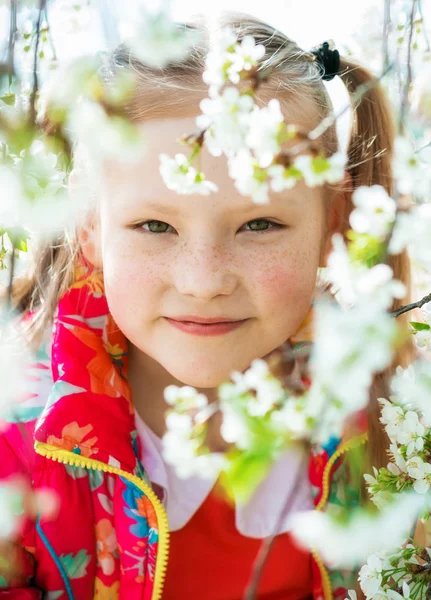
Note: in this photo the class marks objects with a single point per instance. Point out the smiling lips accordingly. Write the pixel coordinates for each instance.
(196, 325)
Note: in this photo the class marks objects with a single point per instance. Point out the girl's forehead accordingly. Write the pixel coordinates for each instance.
(139, 185)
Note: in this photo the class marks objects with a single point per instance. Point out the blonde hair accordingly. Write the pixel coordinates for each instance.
(295, 75)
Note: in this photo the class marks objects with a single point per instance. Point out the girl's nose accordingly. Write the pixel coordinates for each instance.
(205, 272)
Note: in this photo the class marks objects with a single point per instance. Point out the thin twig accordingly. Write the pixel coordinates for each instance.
(326, 123)
(12, 37)
(50, 36)
(386, 30)
(34, 91)
(10, 282)
(424, 147)
(266, 545)
(406, 90)
(412, 306)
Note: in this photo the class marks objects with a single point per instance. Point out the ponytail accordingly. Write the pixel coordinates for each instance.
(370, 152)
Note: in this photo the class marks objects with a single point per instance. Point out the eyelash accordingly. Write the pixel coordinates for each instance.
(274, 225)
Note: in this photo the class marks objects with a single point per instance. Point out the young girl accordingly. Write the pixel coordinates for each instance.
(158, 289)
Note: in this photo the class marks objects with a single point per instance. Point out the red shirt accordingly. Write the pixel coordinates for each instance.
(210, 560)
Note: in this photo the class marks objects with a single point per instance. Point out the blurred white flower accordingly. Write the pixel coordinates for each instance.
(281, 178)
(350, 347)
(105, 137)
(15, 358)
(372, 533)
(185, 397)
(356, 283)
(375, 211)
(412, 387)
(245, 57)
(181, 449)
(250, 179)
(318, 170)
(215, 74)
(264, 132)
(158, 41)
(412, 231)
(226, 120)
(11, 510)
(227, 59)
(406, 165)
(423, 338)
(179, 176)
(267, 389)
(233, 429)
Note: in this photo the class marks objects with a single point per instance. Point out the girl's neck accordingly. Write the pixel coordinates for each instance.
(148, 379)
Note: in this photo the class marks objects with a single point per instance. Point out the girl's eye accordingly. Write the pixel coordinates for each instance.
(154, 226)
(262, 225)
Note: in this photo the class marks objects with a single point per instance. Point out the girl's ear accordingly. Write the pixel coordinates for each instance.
(89, 240)
(337, 216)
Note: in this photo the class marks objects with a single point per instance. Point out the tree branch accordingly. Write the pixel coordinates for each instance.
(386, 29)
(12, 37)
(412, 306)
(406, 90)
(32, 116)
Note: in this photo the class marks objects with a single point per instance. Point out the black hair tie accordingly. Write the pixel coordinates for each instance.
(328, 59)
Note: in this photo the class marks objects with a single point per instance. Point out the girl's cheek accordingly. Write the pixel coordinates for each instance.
(279, 282)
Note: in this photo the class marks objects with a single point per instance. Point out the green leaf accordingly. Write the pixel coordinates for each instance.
(420, 326)
(8, 99)
(76, 565)
(26, 48)
(246, 471)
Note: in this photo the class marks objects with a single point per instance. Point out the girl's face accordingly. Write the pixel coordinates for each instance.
(167, 256)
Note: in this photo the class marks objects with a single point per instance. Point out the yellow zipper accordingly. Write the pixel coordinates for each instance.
(356, 441)
(69, 458)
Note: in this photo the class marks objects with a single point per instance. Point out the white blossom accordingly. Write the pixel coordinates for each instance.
(412, 231)
(267, 389)
(351, 345)
(355, 282)
(281, 178)
(249, 179)
(180, 449)
(406, 165)
(11, 510)
(185, 397)
(246, 56)
(105, 137)
(317, 170)
(15, 358)
(234, 429)
(370, 576)
(412, 387)
(225, 119)
(375, 211)
(179, 176)
(158, 41)
(372, 533)
(215, 74)
(264, 132)
(421, 472)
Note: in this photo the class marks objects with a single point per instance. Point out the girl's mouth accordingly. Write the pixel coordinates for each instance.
(199, 328)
